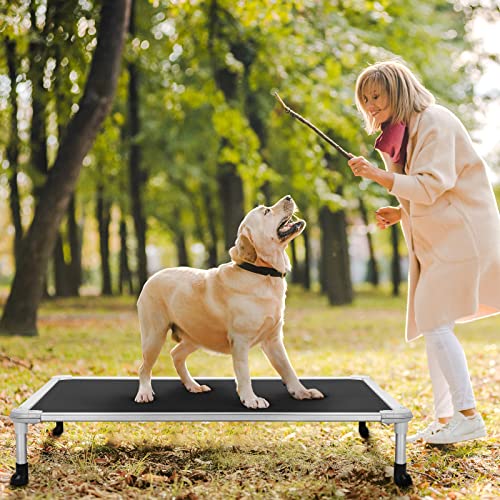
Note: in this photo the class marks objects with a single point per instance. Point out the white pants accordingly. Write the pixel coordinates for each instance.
(450, 378)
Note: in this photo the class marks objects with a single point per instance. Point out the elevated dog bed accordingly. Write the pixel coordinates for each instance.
(111, 399)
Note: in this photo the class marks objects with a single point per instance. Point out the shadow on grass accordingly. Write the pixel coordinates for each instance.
(283, 470)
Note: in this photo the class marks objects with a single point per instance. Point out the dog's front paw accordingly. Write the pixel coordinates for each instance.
(198, 388)
(144, 395)
(304, 393)
(255, 403)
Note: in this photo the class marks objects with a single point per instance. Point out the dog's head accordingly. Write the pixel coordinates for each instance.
(264, 234)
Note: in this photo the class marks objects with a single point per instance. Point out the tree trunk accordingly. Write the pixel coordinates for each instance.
(325, 248)
(395, 261)
(136, 174)
(60, 269)
(372, 274)
(103, 219)
(306, 275)
(73, 271)
(198, 214)
(38, 134)
(212, 227)
(75, 265)
(335, 257)
(254, 108)
(125, 276)
(180, 239)
(13, 150)
(296, 274)
(228, 179)
(67, 274)
(20, 313)
(265, 189)
(182, 253)
(231, 197)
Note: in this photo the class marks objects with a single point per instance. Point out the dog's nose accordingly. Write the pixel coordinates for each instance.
(288, 197)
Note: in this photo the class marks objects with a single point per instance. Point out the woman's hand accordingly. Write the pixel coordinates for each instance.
(387, 216)
(361, 167)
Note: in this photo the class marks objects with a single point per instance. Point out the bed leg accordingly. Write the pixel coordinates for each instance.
(58, 429)
(20, 477)
(363, 430)
(401, 477)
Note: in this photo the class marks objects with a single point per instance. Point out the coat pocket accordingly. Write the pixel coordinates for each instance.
(445, 233)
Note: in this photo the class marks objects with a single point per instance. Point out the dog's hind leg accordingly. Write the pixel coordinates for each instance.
(179, 354)
(154, 328)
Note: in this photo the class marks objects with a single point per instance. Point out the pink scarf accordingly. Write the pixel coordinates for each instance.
(393, 141)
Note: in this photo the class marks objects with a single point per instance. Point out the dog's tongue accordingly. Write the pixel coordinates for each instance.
(294, 220)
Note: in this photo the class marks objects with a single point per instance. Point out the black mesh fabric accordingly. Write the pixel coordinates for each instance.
(101, 395)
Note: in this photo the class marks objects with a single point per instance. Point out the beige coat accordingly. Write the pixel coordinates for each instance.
(450, 222)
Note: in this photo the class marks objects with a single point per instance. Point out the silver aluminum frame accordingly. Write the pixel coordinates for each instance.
(397, 414)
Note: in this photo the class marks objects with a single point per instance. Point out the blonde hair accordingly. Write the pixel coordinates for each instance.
(406, 95)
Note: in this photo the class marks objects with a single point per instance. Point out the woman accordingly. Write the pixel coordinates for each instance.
(451, 225)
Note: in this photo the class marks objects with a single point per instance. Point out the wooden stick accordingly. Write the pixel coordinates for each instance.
(290, 111)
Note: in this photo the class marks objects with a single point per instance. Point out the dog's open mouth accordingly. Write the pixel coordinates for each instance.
(290, 225)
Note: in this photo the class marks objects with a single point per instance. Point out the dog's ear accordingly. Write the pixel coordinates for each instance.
(243, 250)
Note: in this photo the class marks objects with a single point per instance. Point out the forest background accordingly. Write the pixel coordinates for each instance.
(191, 138)
(129, 146)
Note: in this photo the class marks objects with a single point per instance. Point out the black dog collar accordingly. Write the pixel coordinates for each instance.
(265, 271)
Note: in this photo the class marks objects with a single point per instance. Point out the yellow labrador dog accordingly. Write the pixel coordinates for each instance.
(227, 309)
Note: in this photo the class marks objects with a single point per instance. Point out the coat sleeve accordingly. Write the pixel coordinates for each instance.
(433, 168)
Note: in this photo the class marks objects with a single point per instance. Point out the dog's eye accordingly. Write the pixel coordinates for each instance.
(266, 211)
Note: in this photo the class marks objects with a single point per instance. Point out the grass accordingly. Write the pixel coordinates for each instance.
(99, 336)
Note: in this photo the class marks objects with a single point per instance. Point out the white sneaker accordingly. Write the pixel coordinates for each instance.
(459, 428)
(425, 433)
